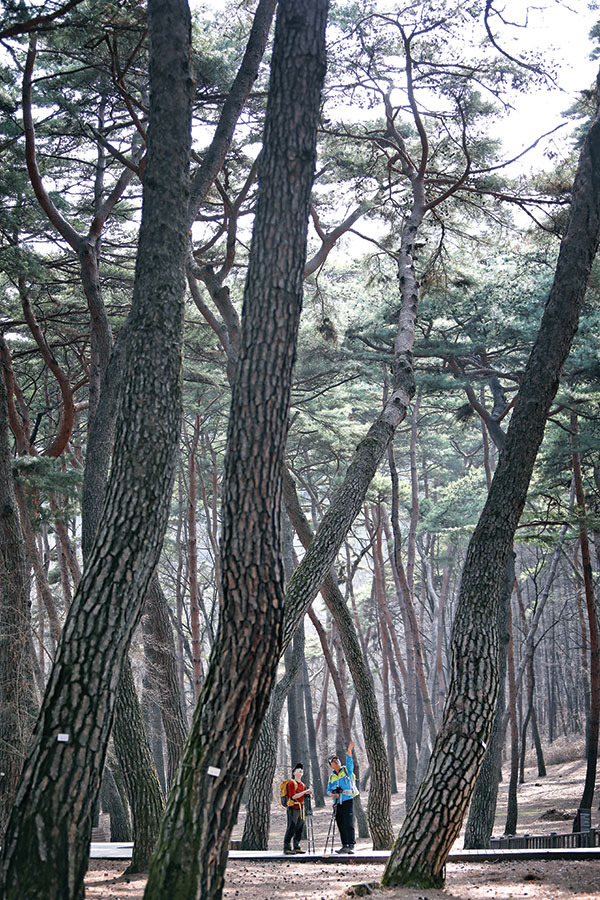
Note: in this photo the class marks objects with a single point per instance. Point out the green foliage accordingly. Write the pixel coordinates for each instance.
(41, 477)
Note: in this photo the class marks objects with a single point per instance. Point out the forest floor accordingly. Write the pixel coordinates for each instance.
(545, 805)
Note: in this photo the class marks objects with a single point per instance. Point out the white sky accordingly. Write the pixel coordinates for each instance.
(561, 32)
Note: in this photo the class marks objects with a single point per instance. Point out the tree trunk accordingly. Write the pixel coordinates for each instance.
(204, 800)
(512, 805)
(295, 704)
(459, 749)
(17, 703)
(482, 812)
(161, 661)
(593, 722)
(139, 772)
(193, 566)
(61, 778)
(112, 803)
(315, 769)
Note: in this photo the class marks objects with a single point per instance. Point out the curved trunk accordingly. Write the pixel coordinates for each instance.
(204, 801)
(61, 778)
(445, 792)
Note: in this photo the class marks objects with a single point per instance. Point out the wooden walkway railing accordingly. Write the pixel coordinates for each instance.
(553, 841)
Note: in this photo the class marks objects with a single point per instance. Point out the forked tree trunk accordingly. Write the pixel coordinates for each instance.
(204, 801)
(61, 778)
(434, 820)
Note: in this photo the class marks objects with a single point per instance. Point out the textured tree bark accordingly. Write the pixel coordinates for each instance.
(204, 801)
(17, 703)
(295, 704)
(593, 723)
(60, 783)
(161, 661)
(434, 820)
(482, 810)
(315, 769)
(193, 565)
(512, 806)
(139, 772)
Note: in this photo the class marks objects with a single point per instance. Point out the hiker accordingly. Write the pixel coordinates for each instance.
(342, 788)
(296, 792)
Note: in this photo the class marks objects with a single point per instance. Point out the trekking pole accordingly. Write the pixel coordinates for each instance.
(332, 820)
(310, 829)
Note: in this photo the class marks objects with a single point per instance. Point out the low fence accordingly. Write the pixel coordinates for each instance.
(553, 841)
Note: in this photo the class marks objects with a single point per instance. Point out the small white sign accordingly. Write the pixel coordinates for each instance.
(62, 738)
(212, 770)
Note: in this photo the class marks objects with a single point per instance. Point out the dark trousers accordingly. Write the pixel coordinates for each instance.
(344, 816)
(295, 824)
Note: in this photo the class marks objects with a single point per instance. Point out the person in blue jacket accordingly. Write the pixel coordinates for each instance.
(341, 786)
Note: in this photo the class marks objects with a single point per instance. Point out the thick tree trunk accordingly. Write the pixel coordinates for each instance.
(61, 779)
(204, 800)
(482, 811)
(434, 820)
(17, 705)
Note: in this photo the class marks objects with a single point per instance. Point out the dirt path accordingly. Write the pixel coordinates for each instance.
(556, 880)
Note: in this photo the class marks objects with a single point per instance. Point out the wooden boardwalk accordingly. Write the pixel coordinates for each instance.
(107, 850)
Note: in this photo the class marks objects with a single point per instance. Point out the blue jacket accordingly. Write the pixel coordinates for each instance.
(344, 779)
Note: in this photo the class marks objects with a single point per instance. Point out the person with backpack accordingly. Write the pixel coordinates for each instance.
(293, 799)
(342, 787)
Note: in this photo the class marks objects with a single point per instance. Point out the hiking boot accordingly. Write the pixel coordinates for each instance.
(288, 851)
(299, 850)
(341, 850)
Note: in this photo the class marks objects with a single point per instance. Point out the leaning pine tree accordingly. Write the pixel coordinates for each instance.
(45, 851)
(190, 859)
(433, 822)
